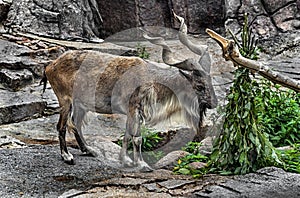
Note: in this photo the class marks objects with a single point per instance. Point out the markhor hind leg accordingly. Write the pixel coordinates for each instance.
(61, 128)
(75, 125)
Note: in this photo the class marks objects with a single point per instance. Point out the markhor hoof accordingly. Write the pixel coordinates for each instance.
(90, 152)
(69, 162)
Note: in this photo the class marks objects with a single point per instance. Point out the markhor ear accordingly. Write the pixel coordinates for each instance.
(186, 75)
(205, 62)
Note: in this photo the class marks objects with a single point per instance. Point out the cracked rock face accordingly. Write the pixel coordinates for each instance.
(199, 14)
(14, 80)
(16, 106)
(4, 7)
(62, 19)
(270, 16)
(72, 20)
(66, 19)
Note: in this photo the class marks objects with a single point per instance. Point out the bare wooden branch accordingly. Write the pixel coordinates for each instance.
(231, 52)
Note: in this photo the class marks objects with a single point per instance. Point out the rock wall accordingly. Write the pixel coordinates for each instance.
(62, 19)
(121, 15)
(4, 7)
(270, 17)
(66, 19)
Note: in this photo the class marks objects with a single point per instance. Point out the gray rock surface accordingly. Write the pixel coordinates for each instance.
(288, 67)
(129, 14)
(96, 130)
(16, 106)
(170, 159)
(200, 14)
(4, 7)
(268, 182)
(60, 19)
(15, 80)
(52, 18)
(15, 56)
(37, 171)
(9, 142)
(269, 17)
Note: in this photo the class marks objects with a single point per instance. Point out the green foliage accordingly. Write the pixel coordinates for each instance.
(192, 147)
(279, 114)
(242, 147)
(248, 47)
(142, 52)
(291, 158)
(150, 140)
(183, 165)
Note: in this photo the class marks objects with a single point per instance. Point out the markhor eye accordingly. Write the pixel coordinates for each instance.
(200, 87)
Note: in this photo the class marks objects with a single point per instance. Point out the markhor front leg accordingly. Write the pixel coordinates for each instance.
(133, 130)
(124, 157)
(137, 155)
(137, 141)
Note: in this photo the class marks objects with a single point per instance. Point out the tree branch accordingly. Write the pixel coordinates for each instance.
(231, 52)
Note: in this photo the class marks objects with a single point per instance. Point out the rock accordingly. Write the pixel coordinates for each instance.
(62, 19)
(57, 47)
(152, 187)
(96, 132)
(221, 71)
(15, 80)
(273, 6)
(170, 159)
(9, 142)
(108, 151)
(197, 165)
(289, 67)
(172, 184)
(71, 193)
(37, 171)
(129, 14)
(116, 191)
(52, 18)
(206, 146)
(199, 14)
(270, 16)
(49, 96)
(285, 17)
(35, 131)
(4, 7)
(17, 57)
(268, 182)
(126, 181)
(231, 7)
(16, 106)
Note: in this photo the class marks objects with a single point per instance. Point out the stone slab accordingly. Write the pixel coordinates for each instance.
(17, 106)
(268, 182)
(15, 80)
